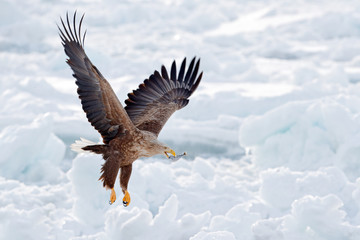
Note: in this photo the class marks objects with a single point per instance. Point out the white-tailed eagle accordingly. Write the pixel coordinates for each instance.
(131, 132)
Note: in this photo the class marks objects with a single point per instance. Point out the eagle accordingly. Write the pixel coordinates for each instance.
(128, 133)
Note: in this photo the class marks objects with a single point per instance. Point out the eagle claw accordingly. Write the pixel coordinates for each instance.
(126, 199)
(112, 197)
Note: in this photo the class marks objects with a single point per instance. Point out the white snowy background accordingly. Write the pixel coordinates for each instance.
(273, 132)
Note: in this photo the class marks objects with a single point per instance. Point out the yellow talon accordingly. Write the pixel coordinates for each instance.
(126, 199)
(170, 151)
(112, 196)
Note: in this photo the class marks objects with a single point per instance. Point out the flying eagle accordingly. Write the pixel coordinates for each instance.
(131, 132)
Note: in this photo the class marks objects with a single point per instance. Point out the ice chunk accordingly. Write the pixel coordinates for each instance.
(280, 186)
(318, 218)
(125, 223)
(237, 220)
(31, 153)
(223, 235)
(298, 135)
(91, 199)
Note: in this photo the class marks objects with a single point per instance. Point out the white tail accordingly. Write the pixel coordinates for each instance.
(79, 144)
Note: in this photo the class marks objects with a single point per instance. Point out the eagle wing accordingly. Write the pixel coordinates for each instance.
(157, 98)
(101, 105)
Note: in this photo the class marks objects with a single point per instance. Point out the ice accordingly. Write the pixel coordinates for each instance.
(83, 175)
(305, 218)
(237, 220)
(290, 185)
(306, 221)
(224, 235)
(24, 227)
(126, 225)
(272, 134)
(300, 135)
(31, 153)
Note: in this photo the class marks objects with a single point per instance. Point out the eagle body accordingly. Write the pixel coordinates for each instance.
(123, 150)
(128, 132)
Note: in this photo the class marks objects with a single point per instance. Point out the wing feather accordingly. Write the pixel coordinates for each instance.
(164, 73)
(189, 72)
(173, 71)
(157, 98)
(182, 71)
(103, 109)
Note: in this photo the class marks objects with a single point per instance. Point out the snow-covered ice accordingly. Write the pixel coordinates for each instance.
(272, 134)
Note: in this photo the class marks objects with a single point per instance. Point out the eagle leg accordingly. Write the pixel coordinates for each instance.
(112, 196)
(125, 174)
(109, 172)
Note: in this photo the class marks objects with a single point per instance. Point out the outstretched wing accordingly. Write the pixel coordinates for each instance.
(103, 109)
(151, 105)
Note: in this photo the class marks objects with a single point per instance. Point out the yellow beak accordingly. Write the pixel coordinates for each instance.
(170, 151)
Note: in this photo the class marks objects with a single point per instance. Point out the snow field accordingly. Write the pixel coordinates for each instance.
(272, 132)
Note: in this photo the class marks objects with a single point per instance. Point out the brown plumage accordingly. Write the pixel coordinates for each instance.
(131, 132)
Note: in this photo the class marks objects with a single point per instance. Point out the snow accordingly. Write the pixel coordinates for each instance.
(30, 159)
(272, 134)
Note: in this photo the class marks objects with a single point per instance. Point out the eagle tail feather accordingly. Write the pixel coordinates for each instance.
(82, 145)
